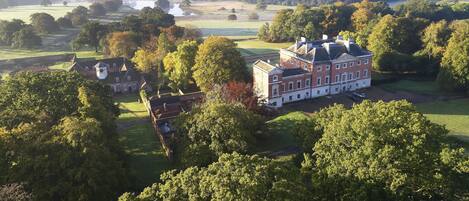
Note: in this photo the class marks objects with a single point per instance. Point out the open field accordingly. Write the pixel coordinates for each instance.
(256, 46)
(11, 53)
(223, 27)
(453, 114)
(422, 87)
(23, 12)
(145, 155)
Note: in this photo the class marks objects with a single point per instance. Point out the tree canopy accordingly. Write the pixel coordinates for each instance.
(391, 147)
(218, 62)
(59, 131)
(455, 63)
(179, 64)
(44, 23)
(232, 177)
(214, 128)
(122, 44)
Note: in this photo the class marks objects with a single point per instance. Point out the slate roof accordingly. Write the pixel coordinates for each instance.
(325, 50)
(118, 67)
(293, 71)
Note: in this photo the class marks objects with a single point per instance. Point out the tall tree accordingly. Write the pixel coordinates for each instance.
(390, 146)
(215, 128)
(454, 72)
(145, 60)
(97, 9)
(90, 34)
(8, 28)
(44, 23)
(122, 44)
(218, 62)
(26, 38)
(46, 2)
(70, 122)
(179, 64)
(435, 39)
(232, 177)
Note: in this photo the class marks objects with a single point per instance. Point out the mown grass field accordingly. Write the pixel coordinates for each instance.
(281, 134)
(23, 12)
(223, 27)
(422, 87)
(453, 114)
(145, 155)
(256, 46)
(11, 53)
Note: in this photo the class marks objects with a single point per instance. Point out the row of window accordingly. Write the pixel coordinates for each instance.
(350, 76)
(350, 64)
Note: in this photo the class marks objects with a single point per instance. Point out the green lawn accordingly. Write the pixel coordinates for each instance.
(453, 114)
(422, 87)
(280, 133)
(223, 27)
(146, 156)
(11, 53)
(256, 46)
(23, 12)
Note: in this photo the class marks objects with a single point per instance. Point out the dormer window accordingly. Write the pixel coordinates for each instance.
(275, 78)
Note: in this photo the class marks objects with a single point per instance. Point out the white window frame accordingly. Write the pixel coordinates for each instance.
(275, 78)
(328, 67)
(290, 84)
(344, 65)
(319, 68)
(350, 76)
(357, 74)
(337, 78)
(318, 81)
(327, 80)
(337, 66)
(308, 82)
(365, 73)
(298, 82)
(344, 77)
(351, 64)
(359, 62)
(366, 61)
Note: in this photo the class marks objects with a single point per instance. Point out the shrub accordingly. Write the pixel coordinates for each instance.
(253, 16)
(232, 17)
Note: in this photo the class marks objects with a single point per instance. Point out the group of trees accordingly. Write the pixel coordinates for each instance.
(16, 33)
(100, 8)
(58, 139)
(411, 38)
(384, 151)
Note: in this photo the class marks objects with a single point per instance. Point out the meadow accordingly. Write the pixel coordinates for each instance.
(23, 12)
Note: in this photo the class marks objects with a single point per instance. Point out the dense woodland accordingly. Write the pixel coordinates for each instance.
(412, 38)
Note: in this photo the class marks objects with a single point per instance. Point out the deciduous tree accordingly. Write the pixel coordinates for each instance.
(122, 44)
(44, 23)
(218, 62)
(390, 146)
(90, 34)
(26, 38)
(179, 64)
(97, 9)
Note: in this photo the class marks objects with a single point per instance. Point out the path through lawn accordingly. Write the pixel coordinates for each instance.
(146, 156)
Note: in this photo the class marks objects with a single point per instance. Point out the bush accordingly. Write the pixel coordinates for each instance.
(64, 22)
(232, 17)
(26, 38)
(253, 16)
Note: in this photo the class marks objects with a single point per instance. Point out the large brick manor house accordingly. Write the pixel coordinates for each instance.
(310, 69)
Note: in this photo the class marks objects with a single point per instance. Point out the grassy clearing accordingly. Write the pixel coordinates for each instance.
(256, 46)
(146, 156)
(23, 12)
(281, 133)
(11, 53)
(422, 87)
(222, 27)
(453, 114)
